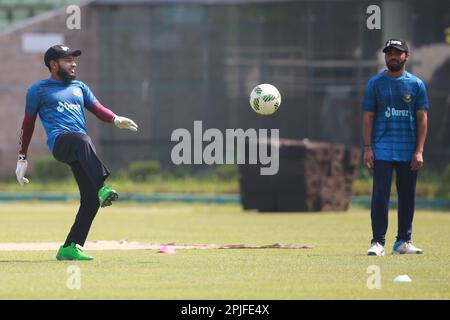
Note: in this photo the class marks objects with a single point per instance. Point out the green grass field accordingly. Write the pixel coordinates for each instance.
(336, 268)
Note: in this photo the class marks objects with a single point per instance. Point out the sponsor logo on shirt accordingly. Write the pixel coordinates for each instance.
(392, 112)
(77, 92)
(68, 106)
(407, 97)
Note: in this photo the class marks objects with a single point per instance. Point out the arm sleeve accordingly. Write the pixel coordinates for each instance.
(422, 97)
(26, 133)
(369, 101)
(29, 120)
(102, 112)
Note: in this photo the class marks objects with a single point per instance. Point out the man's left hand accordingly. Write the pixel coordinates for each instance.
(125, 123)
(417, 161)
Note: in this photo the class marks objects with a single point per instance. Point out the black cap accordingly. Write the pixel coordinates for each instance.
(59, 51)
(397, 44)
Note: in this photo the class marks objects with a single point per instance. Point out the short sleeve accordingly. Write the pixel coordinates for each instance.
(88, 96)
(369, 101)
(422, 97)
(32, 101)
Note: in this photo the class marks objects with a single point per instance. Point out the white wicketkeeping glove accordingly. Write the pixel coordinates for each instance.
(21, 169)
(125, 123)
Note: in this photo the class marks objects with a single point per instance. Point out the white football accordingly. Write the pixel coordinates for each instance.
(265, 99)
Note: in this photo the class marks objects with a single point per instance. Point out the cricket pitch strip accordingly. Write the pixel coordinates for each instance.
(134, 245)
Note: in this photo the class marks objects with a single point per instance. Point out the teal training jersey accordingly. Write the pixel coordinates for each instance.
(60, 105)
(394, 102)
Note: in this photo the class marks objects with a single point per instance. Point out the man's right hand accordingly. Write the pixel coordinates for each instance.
(21, 169)
(368, 157)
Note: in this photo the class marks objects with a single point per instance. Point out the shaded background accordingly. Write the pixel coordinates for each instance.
(168, 63)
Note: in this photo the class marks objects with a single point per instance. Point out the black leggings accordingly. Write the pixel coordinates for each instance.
(76, 150)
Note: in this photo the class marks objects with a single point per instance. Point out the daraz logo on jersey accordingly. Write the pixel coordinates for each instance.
(392, 112)
(68, 106)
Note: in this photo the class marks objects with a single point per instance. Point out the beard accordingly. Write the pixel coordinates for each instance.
(394, 67)
(65, 75)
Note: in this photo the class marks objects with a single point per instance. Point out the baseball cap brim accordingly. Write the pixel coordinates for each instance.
(74, 53)
(396, 47)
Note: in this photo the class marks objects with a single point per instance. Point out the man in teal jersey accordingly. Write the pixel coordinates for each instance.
(60, 102)
(394, 128)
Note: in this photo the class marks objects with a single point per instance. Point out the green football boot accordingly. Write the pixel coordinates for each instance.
(107, 195)
(71, 253)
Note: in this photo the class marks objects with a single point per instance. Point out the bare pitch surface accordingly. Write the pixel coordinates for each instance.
(134, 245)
